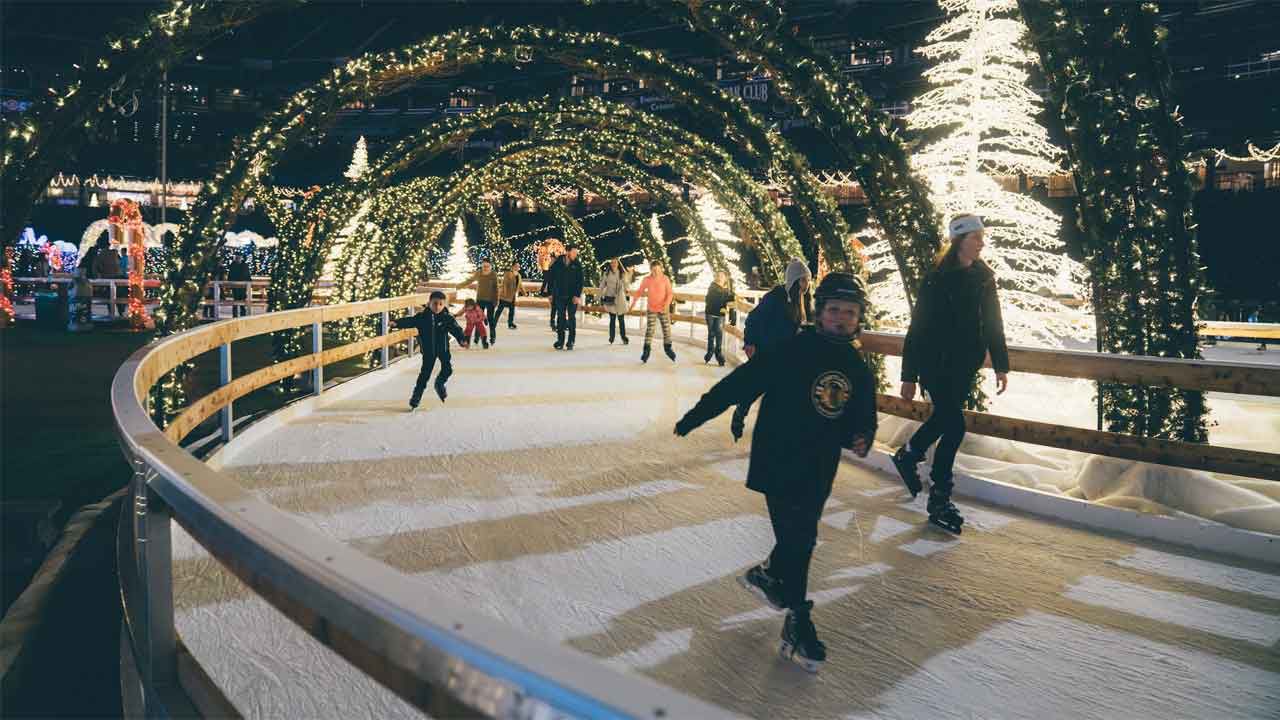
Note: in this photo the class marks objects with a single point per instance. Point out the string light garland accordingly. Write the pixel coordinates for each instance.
(1108, 71)
(1255, 154)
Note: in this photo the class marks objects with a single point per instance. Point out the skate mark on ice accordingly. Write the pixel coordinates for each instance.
(562, 595)
(1046, 666)
(735, 470)
(925, 548)
(1185, 611)
(665, 646)
(887, 527)
(1224, 577)
(881, 491)
(383, 518)
(860, 571)
(983, 519)
(821, 597)
(914, 507)
(839, 521)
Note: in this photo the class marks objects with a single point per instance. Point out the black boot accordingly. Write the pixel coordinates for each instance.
(644, 356)
(906, 462)
(707, 358)
(942, 512)
(765, 587)
(800, 642)
(670, 353)
(625, 341)
(441, 391)
(720, 358)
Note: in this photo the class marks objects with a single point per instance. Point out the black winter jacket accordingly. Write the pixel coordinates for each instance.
(768, 323)
(955, 324)
(433, 330)
(819, 396)
(568, 280)
(717, 299)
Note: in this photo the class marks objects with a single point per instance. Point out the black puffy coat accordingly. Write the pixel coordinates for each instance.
(819, 396)
(955, 324)
(434, 330)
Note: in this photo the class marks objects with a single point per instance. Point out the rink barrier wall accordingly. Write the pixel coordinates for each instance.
(434, 652)
(1176, 530)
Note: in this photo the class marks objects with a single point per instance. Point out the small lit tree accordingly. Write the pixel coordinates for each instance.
(359, 160)
(459, 266)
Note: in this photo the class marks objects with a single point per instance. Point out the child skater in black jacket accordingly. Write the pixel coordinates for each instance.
(434, 325)
(819, 397)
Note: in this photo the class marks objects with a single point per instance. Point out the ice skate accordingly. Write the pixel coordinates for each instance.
(670, 353)
(625, 341)
(720, 359)
(484, 344)
(559, 345)
(412, 408)
(906, 462)
(800, 643)
(944, 514)
(568, 346)
(706, 358)
(644, 356)
(440, 391)
(766, 589)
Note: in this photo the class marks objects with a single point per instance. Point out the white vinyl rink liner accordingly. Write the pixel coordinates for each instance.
(550, 493)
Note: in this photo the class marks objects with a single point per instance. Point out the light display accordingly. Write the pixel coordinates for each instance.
(125, 223)
(978, 119)
(359, 161)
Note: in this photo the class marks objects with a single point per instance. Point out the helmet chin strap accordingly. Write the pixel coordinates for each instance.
(834, 337)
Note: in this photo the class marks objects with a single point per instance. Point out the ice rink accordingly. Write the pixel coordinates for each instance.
(550, 492)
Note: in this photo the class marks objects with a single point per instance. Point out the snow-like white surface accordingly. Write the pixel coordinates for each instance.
(550, 493)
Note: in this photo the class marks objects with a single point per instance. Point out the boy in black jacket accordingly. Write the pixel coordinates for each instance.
(434, 325)
(819, 397)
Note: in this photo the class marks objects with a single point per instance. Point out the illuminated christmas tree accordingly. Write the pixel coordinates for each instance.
(459, 266)
(695, 265)
(980, 135)
(359, 160)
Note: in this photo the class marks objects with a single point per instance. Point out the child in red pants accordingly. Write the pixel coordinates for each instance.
(475, 323)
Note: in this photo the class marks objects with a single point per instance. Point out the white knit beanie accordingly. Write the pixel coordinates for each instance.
(962, 225)
(796, 270)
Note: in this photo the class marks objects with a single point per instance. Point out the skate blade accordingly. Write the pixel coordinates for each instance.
(787, 651)
(757, 592)
(948, 528)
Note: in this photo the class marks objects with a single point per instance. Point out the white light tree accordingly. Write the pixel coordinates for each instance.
(979, 134)
(359, 160)
(459, 266)
(695, 265)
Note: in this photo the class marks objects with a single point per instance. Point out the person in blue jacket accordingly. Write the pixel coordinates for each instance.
(776, 318)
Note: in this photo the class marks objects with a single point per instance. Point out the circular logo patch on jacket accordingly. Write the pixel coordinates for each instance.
(831, 393)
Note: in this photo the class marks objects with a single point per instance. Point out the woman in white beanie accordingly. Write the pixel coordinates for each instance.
(956, 322)
(774, 320)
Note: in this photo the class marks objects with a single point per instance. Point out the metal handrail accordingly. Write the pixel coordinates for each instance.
(433, 651)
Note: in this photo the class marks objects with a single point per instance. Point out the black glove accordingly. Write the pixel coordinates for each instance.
(737, 426)
(685, 426)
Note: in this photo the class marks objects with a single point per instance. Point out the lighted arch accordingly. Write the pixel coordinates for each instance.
(376, 74)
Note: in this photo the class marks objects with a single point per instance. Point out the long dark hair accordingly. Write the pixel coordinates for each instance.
(796, 304)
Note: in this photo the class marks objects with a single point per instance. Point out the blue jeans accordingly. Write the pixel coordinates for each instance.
(715, 334)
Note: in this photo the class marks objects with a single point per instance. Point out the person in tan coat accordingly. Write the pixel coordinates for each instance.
(508, 291)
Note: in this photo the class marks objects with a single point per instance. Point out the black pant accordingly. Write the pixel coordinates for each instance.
(510, 307)
(621, 321)
(566, 320)
(488, 307)
(555, 312)
(944, 426)
(795, 534)
(428, 362)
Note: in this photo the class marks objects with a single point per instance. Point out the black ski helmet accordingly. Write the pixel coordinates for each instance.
(840, 286)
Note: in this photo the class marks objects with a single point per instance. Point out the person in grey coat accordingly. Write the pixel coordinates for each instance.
(615, 283)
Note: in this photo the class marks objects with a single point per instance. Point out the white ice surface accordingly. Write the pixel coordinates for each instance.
(488, 499)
